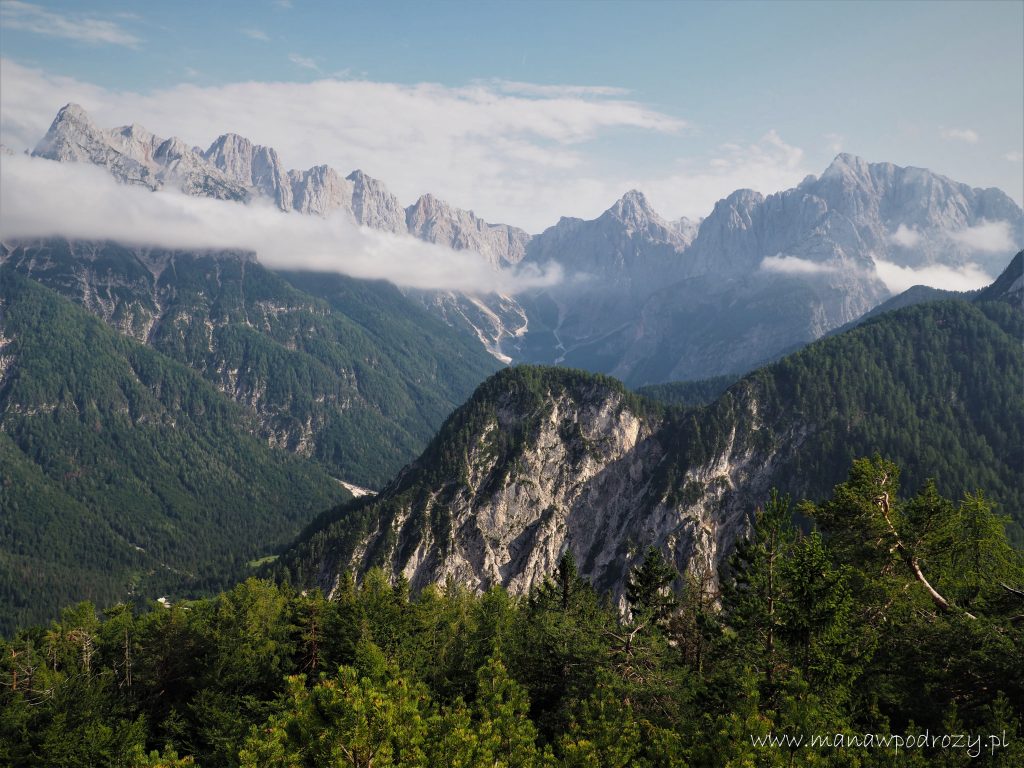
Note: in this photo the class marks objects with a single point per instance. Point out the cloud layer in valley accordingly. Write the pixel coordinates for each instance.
(794, 265)
(987, 237)
(898, 279)
(44, 198)
(515, 153)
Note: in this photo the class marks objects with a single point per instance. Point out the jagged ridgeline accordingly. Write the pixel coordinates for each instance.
(541, 458)
(349, 373)
(122, 471)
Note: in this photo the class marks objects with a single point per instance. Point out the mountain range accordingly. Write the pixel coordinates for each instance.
(645, 299)
(193, 410)
(544, 460)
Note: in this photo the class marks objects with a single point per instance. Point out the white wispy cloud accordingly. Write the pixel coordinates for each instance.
(898, 279)
(967, 135)
(255, 34)
(303, 61)
(557, 91)
(906, 236)
(986, 237)
(1014, 157)
(794, 265)
(43, 198)
(29, 17)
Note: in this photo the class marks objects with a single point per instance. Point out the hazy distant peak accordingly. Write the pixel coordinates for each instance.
(633, 207)
(741, 199)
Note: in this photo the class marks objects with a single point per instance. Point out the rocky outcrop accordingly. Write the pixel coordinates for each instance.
(373, 205)
(435, 221)
(544, 460)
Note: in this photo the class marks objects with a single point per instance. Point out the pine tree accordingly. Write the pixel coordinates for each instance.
(649, 588)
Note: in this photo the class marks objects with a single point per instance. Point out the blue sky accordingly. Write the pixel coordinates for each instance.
(690, 100)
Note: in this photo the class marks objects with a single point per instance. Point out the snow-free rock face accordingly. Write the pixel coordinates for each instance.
(252, 165)
(373, 205)
(540, 461)
(133, 155)
(73, 137)
(320, 190)
(435, 221)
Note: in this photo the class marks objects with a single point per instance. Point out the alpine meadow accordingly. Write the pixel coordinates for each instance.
(511, 385)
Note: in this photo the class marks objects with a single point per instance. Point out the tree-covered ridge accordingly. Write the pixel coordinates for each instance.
(348, 372)
(935, 386)
(688, 394)
(1009, 286)
(124, 472)
(832, 631)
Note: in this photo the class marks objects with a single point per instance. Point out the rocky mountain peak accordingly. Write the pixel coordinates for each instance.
(634, 210)
(435, 221)
(71, 133)
(174, 149)
(73, 137)
(72, 114)
(232, 154)
(373, 205)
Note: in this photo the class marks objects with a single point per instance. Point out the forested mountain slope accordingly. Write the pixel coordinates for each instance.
(348, 372)
(543, 459)
(123, 472)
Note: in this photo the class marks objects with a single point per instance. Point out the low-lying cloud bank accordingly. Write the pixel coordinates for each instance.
(986, 237)
(898, 279)
(42, 198)
(794, 265)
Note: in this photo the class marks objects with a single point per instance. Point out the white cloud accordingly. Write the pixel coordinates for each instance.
(1014, 157)
(43, 198)
(303, 61)
(33, 18)
(898, 279)
(967, 135)
(987, 237)
(794, 265)
(557, 91)
(255, 34)
(906, 236)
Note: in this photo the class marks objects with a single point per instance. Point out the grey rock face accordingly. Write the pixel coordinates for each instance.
(586, 478)
(254, 166)
(133, 155)
(73, 137)
(320, 190)
(435, 221)
(652, 302)
(373, 205)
